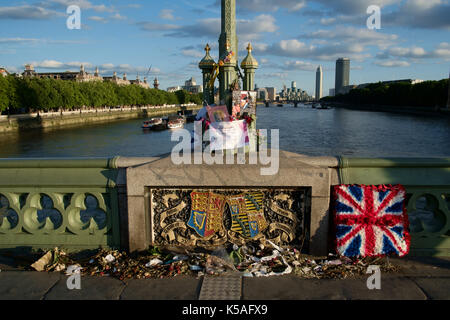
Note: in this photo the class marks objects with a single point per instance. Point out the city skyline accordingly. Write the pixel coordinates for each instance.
(289, 38)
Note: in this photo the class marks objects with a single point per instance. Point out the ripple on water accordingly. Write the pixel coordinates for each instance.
(302, 130)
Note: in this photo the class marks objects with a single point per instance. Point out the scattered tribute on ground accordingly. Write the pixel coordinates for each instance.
(251, 260)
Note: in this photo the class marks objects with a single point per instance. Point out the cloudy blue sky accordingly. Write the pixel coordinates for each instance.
(290, 38)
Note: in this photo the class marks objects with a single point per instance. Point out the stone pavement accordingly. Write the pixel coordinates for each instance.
(419, 279)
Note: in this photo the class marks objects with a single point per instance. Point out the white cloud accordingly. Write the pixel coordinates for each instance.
(252, 29)
(28, 12)
(33, 41)
(353, 7)
(362, 36)
(424, 4)
(247, 29)
(330, 52)
(279, 75)
(18, 40)
(98, 19)
(167, 14)
(13, 69)
(442, 51)
(328, 45)
(299, 65)
(48, 9)
(192, 53)
(392, 63)
(151, 26)
(426, 14)
(53, 64)
(327, 21)
(118, 16)
(261, 47)
(105, 69)
(271, 5)
(83, 4)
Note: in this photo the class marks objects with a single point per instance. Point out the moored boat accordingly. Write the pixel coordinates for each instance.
(175, 124)
(150, 124)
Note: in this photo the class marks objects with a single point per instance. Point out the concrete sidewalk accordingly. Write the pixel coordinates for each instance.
(419, 279)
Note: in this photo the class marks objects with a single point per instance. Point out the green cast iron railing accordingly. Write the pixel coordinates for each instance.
(73, 203)
(427, 183)
(69, 203)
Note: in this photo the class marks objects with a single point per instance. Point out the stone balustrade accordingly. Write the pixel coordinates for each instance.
(132, 203)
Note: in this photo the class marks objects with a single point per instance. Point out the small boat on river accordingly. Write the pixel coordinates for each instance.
(150, 124)
(176, 123)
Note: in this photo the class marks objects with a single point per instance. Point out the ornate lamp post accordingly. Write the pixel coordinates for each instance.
(249, 64)
(207, 66)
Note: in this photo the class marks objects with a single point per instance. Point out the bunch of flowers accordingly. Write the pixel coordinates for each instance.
(221, 63)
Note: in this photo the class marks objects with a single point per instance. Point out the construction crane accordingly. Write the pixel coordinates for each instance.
(149, 70)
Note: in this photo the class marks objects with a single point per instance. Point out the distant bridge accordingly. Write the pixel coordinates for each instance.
(294, 102)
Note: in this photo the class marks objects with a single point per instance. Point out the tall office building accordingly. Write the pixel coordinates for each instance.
(342, 74)
(271, 93)
(294, 86)
(319, 82)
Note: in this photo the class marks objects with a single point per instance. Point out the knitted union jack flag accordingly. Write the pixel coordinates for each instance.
(371, 221)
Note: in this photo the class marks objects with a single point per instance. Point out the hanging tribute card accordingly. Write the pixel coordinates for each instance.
(228, 135)
(218, 113)
(244, 102)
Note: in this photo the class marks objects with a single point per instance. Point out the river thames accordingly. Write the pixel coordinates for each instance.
(302, 130)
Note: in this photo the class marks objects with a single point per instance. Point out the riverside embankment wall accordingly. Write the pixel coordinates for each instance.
(393, 109)
(58, 120)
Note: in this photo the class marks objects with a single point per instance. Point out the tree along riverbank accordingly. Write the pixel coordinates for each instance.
(429, 97)
(392, 109)
(31, 95)
(45, 121)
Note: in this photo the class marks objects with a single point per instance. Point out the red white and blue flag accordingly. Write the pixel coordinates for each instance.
(371, 220)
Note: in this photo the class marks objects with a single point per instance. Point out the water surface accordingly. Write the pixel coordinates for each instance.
(302, 130)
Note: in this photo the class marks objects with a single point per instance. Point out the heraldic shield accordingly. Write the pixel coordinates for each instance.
(247, 214)
(206, 213)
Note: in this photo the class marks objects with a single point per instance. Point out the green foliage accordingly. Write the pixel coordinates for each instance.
(24, 95)
(182, 95)
(4, 97)
(196, 98)
(424, 94)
